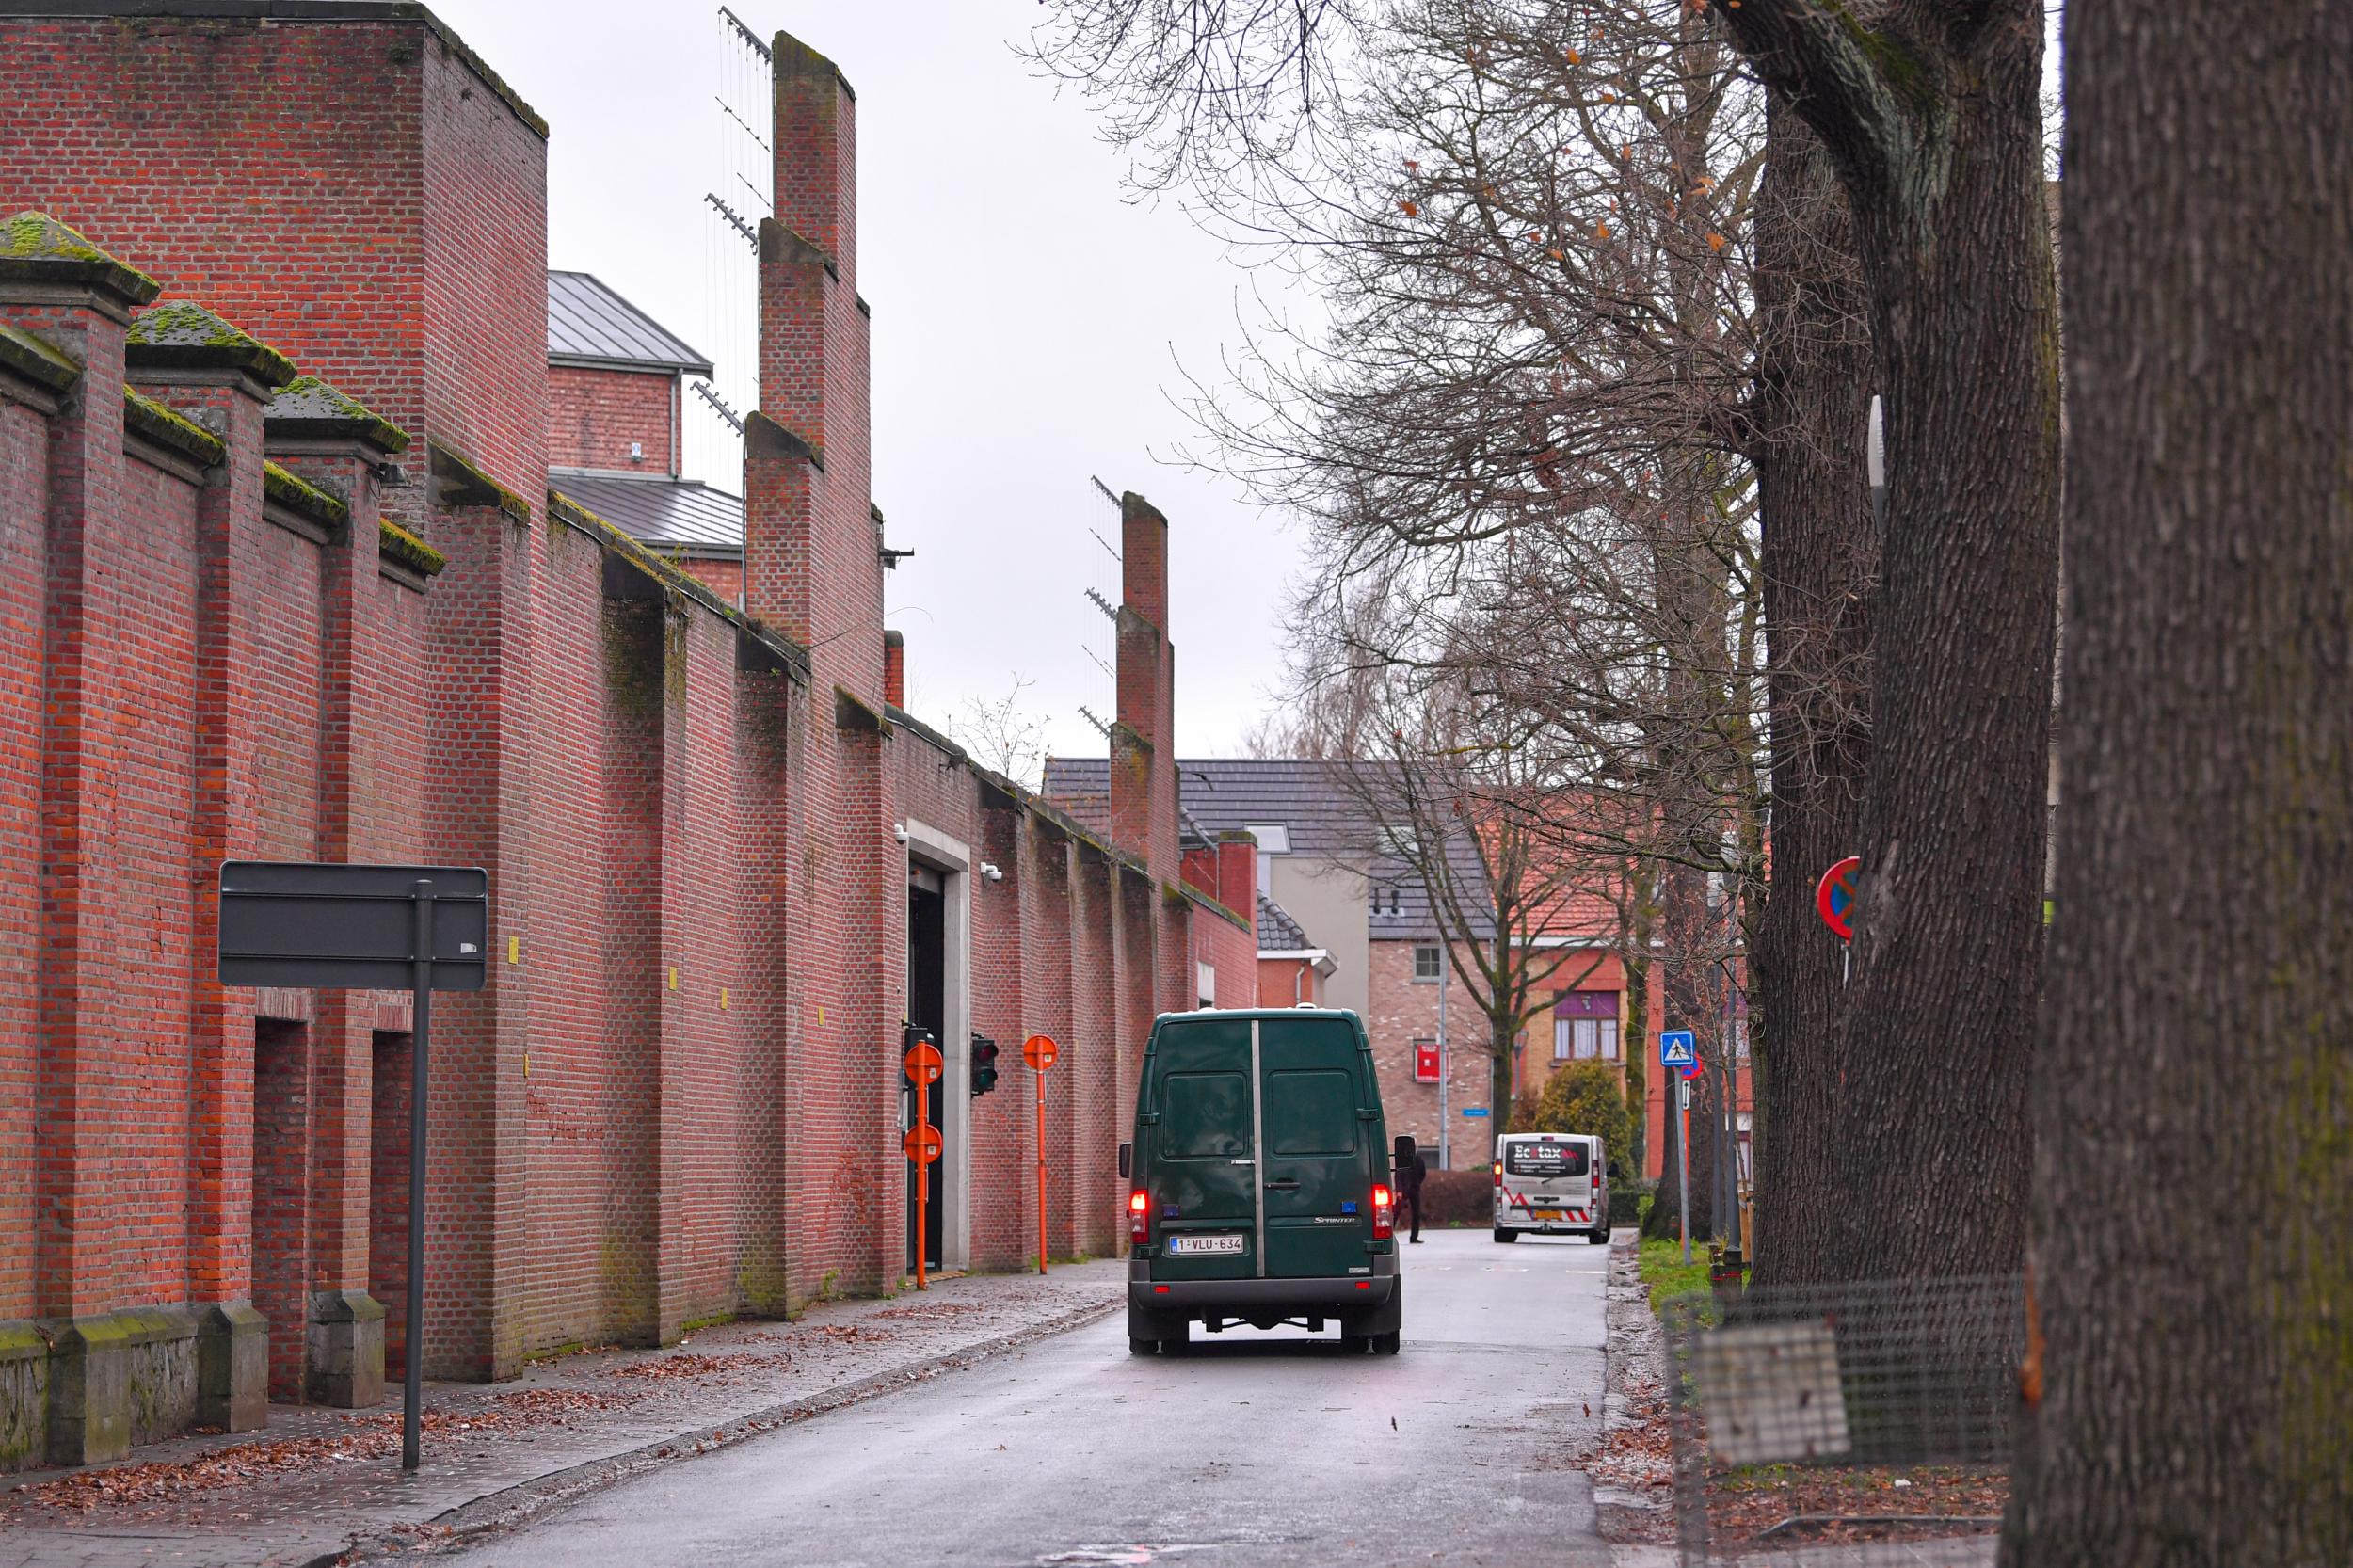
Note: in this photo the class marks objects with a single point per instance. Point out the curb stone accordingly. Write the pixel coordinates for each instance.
(520, 1503)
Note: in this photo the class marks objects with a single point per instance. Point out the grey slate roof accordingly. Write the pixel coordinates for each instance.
(1323, 820)
(657, 510)
(1277, 930)
(590, 325)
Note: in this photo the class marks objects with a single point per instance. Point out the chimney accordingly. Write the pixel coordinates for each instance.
(895, 668)
(1144, 753)
(1237, 872)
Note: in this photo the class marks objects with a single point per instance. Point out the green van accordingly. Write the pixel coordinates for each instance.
(1259, 1181)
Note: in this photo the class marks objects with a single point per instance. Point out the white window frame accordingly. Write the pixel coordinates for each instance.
(1437, 971)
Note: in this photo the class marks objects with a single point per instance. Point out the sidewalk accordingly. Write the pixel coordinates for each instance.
(319, 1482)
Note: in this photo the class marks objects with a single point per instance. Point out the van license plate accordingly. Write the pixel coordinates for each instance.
(1188, 1246)
(1549, 1215)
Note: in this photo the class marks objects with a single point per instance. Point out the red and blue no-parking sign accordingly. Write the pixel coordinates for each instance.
(1834, 896)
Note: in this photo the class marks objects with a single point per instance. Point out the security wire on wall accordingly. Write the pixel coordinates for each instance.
(741, 180)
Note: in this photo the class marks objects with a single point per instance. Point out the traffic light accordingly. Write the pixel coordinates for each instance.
(983, 1064)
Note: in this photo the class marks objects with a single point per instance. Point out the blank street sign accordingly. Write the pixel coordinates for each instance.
(352, 926)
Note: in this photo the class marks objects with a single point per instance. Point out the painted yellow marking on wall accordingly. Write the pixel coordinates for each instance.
(674, 977)
(514, 950)
(526, 1063)
(723, 999)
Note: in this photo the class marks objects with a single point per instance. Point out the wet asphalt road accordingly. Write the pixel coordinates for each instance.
(1258, 1448)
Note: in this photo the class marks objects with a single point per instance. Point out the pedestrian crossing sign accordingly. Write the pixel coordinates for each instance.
(1677, 1048)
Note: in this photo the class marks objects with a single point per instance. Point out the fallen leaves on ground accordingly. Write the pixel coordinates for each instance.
(1744, 1504)
(373, 1437)
(678, 1368)
(162, 1481)
(927, 1309)
(847, 1331)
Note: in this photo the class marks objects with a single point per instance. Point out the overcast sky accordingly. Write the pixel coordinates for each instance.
(1028, 325)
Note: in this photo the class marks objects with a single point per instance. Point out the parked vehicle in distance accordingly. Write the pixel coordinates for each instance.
(1260, 1189)
(1551, 1183)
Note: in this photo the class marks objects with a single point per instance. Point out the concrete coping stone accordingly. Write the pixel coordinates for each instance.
(403, 549)
(344, 1306)
(37, 249)
(1187, 893)
(21, 1340)
(460, 482)
(37, 360)
(123, 1329)
(619, 544)
(151, 420)
(292, 491)
(308, 407)
(180, 334)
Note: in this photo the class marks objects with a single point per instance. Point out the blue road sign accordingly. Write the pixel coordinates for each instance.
(1678, 1048)
(1474, 1111)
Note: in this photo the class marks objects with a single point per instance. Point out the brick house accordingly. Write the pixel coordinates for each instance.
(616, 409)
(300, 558)
(1338, 912)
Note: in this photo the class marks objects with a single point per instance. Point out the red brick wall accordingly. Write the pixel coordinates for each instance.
(593, 415)
(724, 578)
(23, 516)
(675, 1097)
(1398, 1012)
(244, 164)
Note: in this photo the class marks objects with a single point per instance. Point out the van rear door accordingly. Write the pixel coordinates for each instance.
(1200, 1116)
(1316, 1148)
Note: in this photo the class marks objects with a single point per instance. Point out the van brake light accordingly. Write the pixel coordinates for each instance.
(1498, 1170)
(1138, 1217)
(1383, 1213)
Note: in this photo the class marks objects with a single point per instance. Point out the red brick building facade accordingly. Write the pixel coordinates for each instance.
(347, 616)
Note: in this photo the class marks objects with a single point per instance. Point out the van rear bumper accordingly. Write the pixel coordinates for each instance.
(1188, 1295)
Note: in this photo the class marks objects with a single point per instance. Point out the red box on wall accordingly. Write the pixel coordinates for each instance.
(1425, 1062)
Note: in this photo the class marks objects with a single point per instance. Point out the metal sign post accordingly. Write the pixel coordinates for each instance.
(922, 1144)
(1040, 1051)
(1679, 1049)
(330, 927)
(1683, 1164)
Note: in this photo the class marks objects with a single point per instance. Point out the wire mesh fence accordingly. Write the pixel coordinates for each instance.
(1862, 1423)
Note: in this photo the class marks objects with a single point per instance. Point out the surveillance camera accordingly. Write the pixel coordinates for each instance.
(991, 873)
(899, 831)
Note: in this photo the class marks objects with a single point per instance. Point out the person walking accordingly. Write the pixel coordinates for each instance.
(1409, 1182)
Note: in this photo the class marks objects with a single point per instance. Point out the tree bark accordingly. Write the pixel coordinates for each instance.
(1819, 557)
(2193, 1211)
(1933, 117)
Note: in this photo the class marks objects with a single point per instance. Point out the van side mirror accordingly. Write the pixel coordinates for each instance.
(1127, 1160)
(1403, 1151)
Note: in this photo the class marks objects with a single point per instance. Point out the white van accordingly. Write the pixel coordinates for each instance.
(1551, 1183)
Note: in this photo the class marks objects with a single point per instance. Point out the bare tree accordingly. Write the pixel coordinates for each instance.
(2191, 1377)
(1543, 381)
(1005, 736)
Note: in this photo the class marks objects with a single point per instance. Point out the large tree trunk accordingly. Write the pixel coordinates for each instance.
(1933, 120)
(1819, 557)
(2193, 1211)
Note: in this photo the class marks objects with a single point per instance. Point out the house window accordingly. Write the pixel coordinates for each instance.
(1204, 984)
(1740, 1039)
(1585, 1039)
(1274, 838)
(1426, 962)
